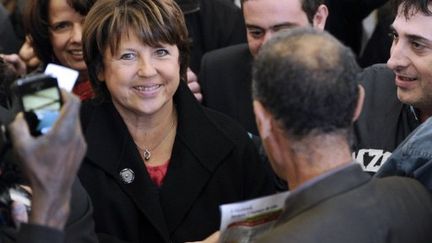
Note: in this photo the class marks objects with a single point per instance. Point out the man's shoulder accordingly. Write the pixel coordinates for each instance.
(378, 78)
(228, 55)
(375, 204)
(213, 6)
(382, 122)
(226, 125)
(226, 64)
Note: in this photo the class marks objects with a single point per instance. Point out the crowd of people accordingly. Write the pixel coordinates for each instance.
(184, 105)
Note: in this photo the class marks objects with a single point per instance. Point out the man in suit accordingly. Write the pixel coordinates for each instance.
(225, 75)
(211, 24)
(306, 97)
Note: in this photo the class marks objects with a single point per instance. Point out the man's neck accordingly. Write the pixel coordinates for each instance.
(424, 114)
(319, 156)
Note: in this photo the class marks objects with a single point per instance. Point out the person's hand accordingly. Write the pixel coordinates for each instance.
(193, 84)
(28, 55)
(51, 162)
(16, 62)
(19, 213)
(214, 238)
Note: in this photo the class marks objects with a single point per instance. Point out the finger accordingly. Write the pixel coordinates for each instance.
(19, 130)
(26, 52)
(10, 58)
(191, 76)
(68, 119)
(19, 213)
(214, 237)
(34, 62)
(194, 87)
(28, 55)
(13, 59)
(198, 96)
(18, 64)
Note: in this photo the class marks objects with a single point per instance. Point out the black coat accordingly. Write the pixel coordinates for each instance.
(217, 24)
(345, 20)
(213, 162)
(226, 81)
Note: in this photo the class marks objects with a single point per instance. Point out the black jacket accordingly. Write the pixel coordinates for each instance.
(345, 20)
(213, 162)
(226, 82)
(217, 24)
(384, 122)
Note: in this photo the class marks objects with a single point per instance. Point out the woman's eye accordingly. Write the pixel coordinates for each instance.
(61, 26)
(161, 52)
(127, 56)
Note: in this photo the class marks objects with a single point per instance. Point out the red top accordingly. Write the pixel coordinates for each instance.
(157, 173)
(83, 90)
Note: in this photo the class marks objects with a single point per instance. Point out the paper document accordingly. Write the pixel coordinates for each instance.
(242, 222)
(66, 77)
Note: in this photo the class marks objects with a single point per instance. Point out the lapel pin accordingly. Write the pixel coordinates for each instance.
(127, 175)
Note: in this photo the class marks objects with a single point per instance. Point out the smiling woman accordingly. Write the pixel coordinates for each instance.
(55, 30)
(158, 164)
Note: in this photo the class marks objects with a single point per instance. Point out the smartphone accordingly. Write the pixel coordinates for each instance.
(39, 97)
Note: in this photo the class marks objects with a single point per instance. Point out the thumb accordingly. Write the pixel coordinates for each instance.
(19, 130)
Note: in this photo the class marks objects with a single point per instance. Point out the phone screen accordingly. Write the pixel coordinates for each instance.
(44, 104)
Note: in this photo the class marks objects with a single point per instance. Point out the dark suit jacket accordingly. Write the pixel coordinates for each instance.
(226, 80)
(217, 24)
(349, 206)
(213, 162)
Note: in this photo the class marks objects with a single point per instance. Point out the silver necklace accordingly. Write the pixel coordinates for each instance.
(147, 152)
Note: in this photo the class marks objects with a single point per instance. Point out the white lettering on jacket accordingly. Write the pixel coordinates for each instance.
(371, 159)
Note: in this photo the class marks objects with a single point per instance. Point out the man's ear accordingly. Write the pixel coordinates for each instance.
(320, 17)
(263, 119)
(360, 101)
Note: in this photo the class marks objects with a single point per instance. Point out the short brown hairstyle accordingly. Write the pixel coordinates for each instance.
(36, 24)
(153, 21)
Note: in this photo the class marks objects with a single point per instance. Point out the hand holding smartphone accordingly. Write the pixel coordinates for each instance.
(39, 97)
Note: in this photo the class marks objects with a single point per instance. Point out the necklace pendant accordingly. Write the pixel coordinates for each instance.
(147, 154)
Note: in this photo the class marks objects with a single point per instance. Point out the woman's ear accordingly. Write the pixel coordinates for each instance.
(360, 101)
(100, 74)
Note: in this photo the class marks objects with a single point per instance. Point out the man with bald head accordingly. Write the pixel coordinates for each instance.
(306, 98)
